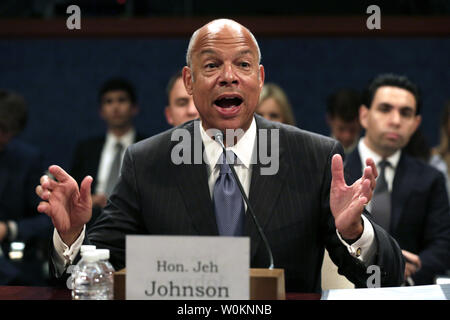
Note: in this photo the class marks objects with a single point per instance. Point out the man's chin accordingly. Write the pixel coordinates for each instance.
(233, 124)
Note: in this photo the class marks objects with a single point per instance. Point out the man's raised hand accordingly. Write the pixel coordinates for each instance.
(347, 202)
(69, 208)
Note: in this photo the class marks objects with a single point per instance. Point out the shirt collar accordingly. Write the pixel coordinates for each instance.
(365, 152)
(243, 148)
(126, 140)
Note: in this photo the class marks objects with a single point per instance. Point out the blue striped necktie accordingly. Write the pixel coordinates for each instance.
(228, 203)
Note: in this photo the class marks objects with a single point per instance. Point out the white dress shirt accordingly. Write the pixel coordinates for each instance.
(389, 173)
(108, 154)
(243, 150)
(364, 248)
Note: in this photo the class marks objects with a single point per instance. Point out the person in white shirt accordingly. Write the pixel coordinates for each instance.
(410, 200)
(95, 155)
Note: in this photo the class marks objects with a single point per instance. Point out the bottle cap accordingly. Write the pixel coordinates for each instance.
(103, 254)
(85, 248)
(90, 256)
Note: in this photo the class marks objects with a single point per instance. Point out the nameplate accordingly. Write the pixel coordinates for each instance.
(187, 267)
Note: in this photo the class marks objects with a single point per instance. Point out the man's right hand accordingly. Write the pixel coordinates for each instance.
(69, 208)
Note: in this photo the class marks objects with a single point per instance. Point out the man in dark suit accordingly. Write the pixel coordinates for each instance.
(96, 156)
(300, 197)
(21, 166)
(416, 209)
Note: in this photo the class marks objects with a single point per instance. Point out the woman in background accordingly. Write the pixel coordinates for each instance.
(441, 154)
(274, 105)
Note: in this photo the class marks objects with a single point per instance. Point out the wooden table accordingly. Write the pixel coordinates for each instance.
(50, 293)
(34, 293)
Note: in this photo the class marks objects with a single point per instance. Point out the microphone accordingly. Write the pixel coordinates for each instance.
(219, 139)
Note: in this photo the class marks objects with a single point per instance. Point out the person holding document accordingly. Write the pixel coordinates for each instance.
(299, 197)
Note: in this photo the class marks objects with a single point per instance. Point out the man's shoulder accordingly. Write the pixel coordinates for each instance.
(21, 149)
(161, 144)
(298, 137)
(419, 167)
(23, 154)
(90, 142)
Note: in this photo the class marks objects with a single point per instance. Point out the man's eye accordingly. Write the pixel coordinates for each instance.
(210, 66)
(245, 64)
(406, 113)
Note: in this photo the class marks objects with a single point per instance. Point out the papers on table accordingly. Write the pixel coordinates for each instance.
(429, 292)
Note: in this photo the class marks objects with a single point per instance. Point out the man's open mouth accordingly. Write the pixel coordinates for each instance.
(228, 102)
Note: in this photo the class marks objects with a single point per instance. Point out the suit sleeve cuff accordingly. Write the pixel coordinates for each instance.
(63, 256)
(365, 247)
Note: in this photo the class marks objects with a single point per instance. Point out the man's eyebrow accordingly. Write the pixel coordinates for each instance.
(407, 108)
(244, 52)
(385, 104)
(181, 99)
(213, 52)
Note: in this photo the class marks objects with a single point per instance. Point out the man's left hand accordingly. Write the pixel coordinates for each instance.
(413, 263)
(347, 202)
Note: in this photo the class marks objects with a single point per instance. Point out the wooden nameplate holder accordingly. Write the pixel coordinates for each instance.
(265, 284)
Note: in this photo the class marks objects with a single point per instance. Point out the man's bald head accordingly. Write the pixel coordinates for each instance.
(214, 27)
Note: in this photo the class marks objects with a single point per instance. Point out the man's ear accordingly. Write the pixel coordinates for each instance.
(136, 110)
(188, 79)
(363, 113)
(168, 116)
(262, 76)
(417, 122)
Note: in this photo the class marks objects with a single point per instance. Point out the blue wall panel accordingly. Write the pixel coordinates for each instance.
(60, 78)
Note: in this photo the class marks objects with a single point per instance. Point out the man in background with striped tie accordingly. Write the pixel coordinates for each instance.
(410, 199)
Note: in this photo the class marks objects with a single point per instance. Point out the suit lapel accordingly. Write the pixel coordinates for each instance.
(193, 185)
(400, 191)
(264, 189)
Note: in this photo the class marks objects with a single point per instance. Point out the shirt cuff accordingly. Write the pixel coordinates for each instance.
(365, 247)
(63, 255)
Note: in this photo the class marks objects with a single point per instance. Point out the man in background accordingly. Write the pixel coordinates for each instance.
(24, 233)
(342, 117)
(410, 199)
(180, 105)
(101, 157)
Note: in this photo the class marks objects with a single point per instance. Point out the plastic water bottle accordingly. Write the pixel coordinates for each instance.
(73, 269)
(85, 248)
(87, 283)
(108, 272)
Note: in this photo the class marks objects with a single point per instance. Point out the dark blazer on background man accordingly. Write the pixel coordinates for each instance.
(420, 217)
(86, 158)
(155, 196)
(21, 167)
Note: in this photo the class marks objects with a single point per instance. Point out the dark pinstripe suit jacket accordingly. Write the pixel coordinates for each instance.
(155, 196)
